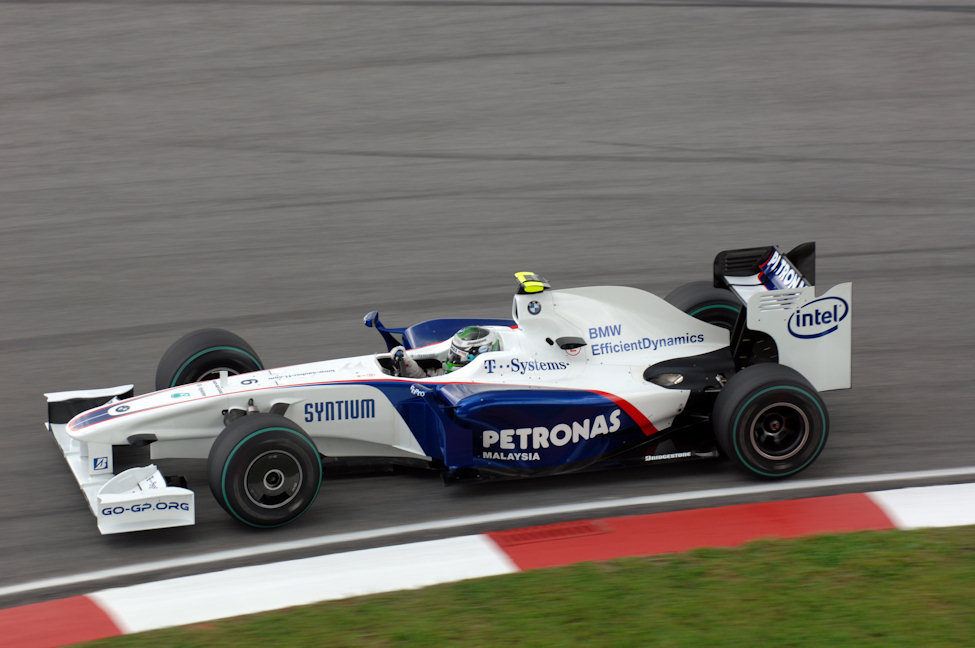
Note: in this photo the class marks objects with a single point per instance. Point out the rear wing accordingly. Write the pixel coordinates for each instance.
(756, 270)
(813, 335)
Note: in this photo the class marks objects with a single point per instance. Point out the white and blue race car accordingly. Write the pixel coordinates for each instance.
(577, 379)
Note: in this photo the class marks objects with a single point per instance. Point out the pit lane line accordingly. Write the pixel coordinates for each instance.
(475, 520)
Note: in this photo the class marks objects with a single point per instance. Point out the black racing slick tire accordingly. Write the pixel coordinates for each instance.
(264, 470)
(700, 299)
(202, 355)
(770, 421)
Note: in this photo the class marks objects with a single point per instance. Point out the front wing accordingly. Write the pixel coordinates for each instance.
(134, 500)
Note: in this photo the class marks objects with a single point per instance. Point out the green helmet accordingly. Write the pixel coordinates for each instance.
(468, 343)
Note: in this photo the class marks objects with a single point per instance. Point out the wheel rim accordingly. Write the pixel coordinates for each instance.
(214, 374)
(272, 479)
(779, 431)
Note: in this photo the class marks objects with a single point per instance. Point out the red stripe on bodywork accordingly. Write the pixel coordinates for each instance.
(725, 526)
(55, 623)
(631, 411)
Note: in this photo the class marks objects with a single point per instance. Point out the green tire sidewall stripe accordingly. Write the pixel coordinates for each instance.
(694, 312)
(741, 409)
(211, 349)
(223, 474)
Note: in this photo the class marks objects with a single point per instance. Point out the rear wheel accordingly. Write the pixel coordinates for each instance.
(770, 421)
(264, 470)
(202, 355)
(702, 300)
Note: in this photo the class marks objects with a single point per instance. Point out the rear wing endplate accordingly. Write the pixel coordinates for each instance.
(813, 335)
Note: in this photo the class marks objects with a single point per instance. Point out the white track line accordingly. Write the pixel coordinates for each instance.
(474, 520)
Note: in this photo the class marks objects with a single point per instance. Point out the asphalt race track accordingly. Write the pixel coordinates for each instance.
(280, 168)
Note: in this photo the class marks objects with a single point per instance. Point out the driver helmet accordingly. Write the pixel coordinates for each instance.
(468, 343)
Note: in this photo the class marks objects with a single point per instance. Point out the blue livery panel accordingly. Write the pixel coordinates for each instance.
(525, 429)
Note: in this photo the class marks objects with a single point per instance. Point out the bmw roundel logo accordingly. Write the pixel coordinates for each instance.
(534, 307)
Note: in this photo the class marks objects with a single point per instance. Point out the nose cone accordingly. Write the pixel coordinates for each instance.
(104, 424)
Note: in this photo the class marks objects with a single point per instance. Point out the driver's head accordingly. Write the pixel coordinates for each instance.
(468, 343)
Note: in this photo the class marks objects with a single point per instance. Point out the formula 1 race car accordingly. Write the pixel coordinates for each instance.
(577, 379)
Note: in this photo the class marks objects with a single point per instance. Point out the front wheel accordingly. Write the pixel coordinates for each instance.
(770, 421)
(202, 355)
(264, 470)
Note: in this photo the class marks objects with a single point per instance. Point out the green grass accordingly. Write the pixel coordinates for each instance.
(886, 588)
